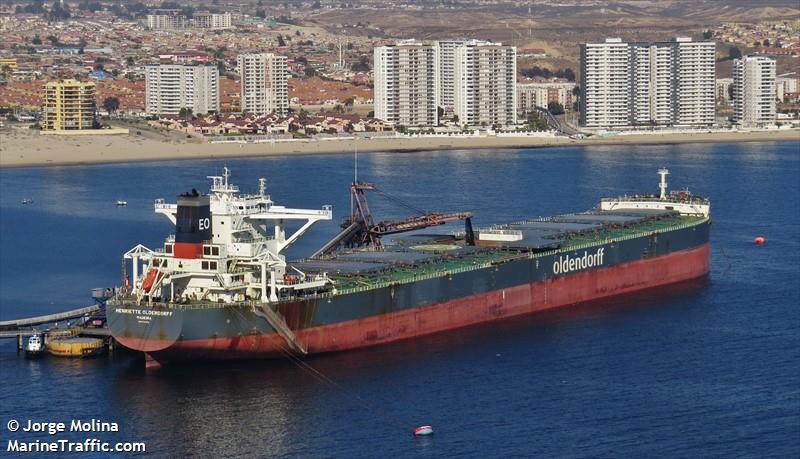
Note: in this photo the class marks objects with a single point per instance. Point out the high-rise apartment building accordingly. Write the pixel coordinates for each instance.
(485, 84)
(606, 85)
(264, 84)
(406, 84)
(68, 105)
(754, 90)
(653, 84)
(172, 87)
(446, 70)
(695, 75)
(533, 95)
(723, 91)
(786, 87)
(207, 20)
(165, 20)
(662, 83)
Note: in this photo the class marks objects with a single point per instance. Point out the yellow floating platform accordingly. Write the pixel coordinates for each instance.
(75, 347)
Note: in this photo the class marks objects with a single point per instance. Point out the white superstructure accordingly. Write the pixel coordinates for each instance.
(241, 261)
(681, 201)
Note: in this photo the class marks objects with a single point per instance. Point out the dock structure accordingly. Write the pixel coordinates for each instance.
(19, 328)
(10, 325)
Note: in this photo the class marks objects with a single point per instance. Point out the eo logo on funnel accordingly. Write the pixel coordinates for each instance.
(566, 264)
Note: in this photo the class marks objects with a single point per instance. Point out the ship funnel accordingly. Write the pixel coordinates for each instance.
(663, 172)
(193, 225)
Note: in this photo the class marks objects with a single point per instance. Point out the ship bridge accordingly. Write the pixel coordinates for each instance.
(227, 247)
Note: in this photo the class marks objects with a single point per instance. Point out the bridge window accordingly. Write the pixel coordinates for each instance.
(208, 265)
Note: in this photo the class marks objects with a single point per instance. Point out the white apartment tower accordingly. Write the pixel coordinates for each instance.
(166, 20)
(485, 92)
(170, 87)
(652, 84)
(662, 83)
(695, 77)
(754, 90)
(606, 91)
(446, 70)
(264, 85)
(206, 20)
(406, 84)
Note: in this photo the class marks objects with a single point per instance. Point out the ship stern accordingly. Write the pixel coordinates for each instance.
(146, 328)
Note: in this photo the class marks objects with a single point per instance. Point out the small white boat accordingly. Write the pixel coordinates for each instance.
(35, 346)
(121, 203)
(27, 201)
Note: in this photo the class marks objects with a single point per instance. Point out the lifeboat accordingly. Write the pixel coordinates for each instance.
(150, 279)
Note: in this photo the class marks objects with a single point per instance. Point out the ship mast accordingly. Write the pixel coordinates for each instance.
(663, 172)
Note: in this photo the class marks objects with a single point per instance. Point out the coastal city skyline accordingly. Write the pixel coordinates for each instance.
(209, 75)
(351, 76)
(623, 85)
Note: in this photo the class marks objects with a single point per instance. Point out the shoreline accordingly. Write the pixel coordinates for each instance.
(43, 151)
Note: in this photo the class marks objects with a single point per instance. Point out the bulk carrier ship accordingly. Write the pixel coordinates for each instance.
(221, 288)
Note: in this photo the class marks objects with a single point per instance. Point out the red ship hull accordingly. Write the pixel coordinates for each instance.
(433, 318)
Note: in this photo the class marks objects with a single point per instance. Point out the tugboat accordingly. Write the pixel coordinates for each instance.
(34, 347)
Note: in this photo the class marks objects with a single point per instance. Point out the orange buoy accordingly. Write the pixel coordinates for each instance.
(759, 240)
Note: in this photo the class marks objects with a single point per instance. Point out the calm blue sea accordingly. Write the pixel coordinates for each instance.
(703, 369)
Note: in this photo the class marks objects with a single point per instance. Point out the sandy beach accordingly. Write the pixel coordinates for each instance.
(21, 148)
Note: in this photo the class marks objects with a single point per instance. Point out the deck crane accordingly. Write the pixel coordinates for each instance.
(360, 230)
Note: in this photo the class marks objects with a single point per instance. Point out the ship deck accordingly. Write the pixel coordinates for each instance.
(421, 256)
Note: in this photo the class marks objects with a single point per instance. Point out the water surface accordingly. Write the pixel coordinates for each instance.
(702, 369)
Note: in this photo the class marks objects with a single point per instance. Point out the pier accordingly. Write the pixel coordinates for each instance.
(19, 328)
(17, 324)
